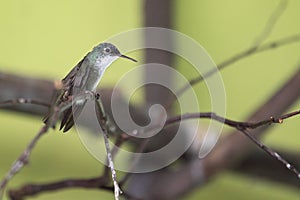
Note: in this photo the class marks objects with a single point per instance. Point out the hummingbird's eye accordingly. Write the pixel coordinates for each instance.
(107, 50)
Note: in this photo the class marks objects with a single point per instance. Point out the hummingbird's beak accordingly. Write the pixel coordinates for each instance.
(123, 56)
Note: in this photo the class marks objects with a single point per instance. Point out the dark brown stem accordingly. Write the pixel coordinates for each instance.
(24, 157)
(257, 165)
(233, 146)
(34, 189)
(229, 122)
(14, 102)
(271, 152)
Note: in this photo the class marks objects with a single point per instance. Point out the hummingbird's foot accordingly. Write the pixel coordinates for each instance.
(97, 96)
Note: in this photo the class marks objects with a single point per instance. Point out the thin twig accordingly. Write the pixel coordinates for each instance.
(257, 47)
(273, 19)
(229, 122)
(244, 54)
(271, 152)
(101, 182)
(232, 123)
(242, 127)
(214, 116)
(13, 102)
(34, 189)
(121, 139)
(90, 183)
(24, 157)
(102, 119)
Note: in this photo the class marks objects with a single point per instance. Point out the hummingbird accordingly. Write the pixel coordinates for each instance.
(84, 77)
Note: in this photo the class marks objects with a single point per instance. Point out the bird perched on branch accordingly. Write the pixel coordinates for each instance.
(84, 77)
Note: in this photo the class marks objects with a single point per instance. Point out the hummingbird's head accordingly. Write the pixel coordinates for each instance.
(108, 51)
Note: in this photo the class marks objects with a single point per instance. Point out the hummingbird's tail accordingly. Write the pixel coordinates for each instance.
(67, 121)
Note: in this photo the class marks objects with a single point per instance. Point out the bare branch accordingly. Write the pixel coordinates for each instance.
(242, 127)
(24, 157)
(226, 154)
(34, 189)
(282, 117)
(13, 102)
(229, 122)
(277, 13)
(256, 164)
(15, 86)
(208, 163)
(271, 152)
(243, 54)
(102, 119)
(253, 49)
(92, 183)
(233, 146)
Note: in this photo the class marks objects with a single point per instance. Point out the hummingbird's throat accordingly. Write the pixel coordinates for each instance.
(105, 61)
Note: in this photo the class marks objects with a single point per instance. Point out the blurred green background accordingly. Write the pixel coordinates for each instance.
(45, 39)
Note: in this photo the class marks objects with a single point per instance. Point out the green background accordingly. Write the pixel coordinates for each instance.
(46, 39)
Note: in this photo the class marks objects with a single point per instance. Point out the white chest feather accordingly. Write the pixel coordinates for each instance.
(98, 70)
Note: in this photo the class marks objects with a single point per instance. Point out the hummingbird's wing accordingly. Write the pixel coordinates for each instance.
(73, 82)
(64, 94)
(57, 93)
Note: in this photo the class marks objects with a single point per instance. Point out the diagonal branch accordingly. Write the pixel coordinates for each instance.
(271, 152)
(22, 160)
(257, 164)
(257, 47)
(277, 13)
(24, 157)
(234, 145)
(242, 55)
(229, 150)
